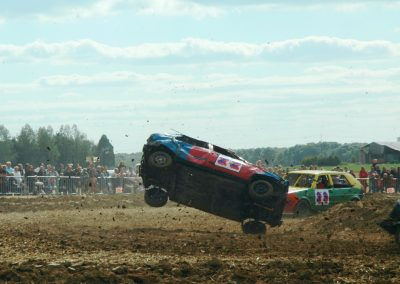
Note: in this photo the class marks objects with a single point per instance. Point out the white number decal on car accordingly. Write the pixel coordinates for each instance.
(321, 197)
(228, 163)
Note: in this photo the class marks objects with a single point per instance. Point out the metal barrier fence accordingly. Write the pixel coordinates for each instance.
(65, 185)
(376, 184)
(33, 185)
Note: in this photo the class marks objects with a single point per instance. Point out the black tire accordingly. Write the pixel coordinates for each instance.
(254, 228)
(260, 190)
(397, 236)
(303, 209)
(160, 159)
(155, 197)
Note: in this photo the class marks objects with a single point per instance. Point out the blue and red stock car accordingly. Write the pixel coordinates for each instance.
(212, 179)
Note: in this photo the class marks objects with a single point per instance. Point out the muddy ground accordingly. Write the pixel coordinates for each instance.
(114, 239)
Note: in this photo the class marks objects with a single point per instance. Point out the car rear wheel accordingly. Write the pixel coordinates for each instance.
(160, 159)
(155, 197)
(260, 190)
(303, 209)
(254, 228)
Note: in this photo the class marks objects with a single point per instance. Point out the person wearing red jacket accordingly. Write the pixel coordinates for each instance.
(363, 174)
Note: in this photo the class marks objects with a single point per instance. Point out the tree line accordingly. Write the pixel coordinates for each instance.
(67, 145)
(321, 154)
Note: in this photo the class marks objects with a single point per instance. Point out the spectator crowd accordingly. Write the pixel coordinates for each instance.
(381, 180)
(73, 179)
(65, 179)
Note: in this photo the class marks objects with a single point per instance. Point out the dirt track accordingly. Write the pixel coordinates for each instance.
(96, 239)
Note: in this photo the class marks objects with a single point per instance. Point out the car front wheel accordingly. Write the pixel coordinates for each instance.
(260, 190)
(155, 197)
(160, 159)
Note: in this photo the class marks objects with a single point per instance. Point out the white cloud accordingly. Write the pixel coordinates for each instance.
(134, 107)
(284, 5)
(312, 82)
(350, 7)
(208, 118)
(289, 2)
(209, 105)
(63, 10)
(118, 78)
(69, 10)
(180, 7)
(394, 4)
(310, 49)
(17, 88)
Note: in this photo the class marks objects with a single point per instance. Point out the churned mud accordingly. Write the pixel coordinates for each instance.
(118, 239)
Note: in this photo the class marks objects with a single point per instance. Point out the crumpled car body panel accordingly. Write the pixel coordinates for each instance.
(211, 179)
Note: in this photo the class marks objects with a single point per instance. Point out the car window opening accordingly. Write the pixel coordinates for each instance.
(206, 145)
(340, 181)
(192, 141)
(305, 181)
(323, 182)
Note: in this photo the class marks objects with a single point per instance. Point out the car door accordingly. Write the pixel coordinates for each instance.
(342, 189)
(198, 155)
(306, 185)
(320, 195)
(227, 165)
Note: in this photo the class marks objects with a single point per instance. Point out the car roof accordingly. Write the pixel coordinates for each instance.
(317, 172)
(203, 144)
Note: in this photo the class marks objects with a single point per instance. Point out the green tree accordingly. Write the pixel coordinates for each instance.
(308, 161)
(6, 145)
(332, 160)
(105, 151)
(25, 145)
(299, 154)
(65, 143)
(73, 145)
(46, 147)
(82, 146)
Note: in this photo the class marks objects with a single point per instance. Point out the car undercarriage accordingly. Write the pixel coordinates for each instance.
(168, 177)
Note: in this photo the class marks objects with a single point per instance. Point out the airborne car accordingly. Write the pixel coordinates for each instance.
(212, 179)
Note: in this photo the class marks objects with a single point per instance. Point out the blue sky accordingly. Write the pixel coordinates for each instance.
(238, 73)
